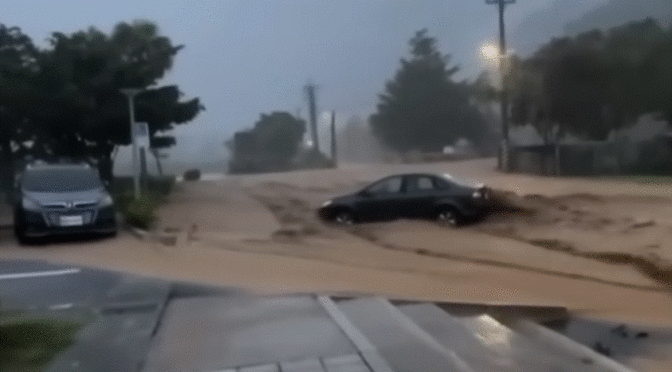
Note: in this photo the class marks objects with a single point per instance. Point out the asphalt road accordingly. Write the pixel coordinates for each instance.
(125, 310)
(29, 285)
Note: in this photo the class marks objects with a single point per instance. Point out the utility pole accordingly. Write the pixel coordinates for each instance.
(310, 91)
(504, 156)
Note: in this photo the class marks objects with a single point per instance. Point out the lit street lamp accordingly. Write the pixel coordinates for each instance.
(490, 52)
(504, 158)
(130, 94)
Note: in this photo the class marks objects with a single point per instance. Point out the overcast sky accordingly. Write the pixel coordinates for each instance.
(245, 57)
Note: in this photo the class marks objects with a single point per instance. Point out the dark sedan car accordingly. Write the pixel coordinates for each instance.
(439, 197)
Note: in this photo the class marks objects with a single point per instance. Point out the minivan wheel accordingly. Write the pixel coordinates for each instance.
(20, 234)
(448, 217)
(344, 217)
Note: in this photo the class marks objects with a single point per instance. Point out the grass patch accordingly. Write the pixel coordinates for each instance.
(143, 211)
(29, 345)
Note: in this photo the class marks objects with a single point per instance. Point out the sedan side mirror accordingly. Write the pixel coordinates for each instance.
(365, 193)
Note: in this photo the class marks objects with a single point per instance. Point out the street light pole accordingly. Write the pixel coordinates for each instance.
(504, 159)
(333, 139)
(130, 94)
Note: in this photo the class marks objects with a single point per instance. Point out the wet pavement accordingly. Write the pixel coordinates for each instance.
(619, 341)
(141, 324)
(122, 311)
(217, 333)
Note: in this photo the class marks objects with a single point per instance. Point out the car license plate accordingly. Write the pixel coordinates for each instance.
(71, 221)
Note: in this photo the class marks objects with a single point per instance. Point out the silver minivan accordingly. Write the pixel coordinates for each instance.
(62, 199)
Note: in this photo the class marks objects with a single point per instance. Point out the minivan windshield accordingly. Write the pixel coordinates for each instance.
(60, 180)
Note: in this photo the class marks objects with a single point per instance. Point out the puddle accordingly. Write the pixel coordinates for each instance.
(619, 341)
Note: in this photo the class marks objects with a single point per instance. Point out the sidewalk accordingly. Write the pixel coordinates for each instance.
(219, 207)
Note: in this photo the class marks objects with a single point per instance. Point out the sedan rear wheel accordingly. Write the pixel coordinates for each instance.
(448, 217)
(344, 218)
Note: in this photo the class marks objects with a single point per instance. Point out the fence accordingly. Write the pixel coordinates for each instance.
(619, 156)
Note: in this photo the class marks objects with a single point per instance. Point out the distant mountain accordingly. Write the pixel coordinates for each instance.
(567, 18)
(618, 12)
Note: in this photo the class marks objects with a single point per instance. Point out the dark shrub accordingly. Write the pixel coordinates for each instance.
(192, 175)
(160, 185)
(141, 212)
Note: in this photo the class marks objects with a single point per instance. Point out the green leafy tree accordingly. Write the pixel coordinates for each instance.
(18, 65)
(272, 144)
(423, 108)
(596, 82)
(66, 100)
(91, 115)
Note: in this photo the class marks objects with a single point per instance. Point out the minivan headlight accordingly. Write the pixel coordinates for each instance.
(106, 201)
(29, 204)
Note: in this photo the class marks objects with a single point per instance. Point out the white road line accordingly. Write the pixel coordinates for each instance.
(37, 274)
(61, 306)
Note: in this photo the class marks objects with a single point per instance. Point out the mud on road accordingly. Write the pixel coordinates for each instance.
(622, 230)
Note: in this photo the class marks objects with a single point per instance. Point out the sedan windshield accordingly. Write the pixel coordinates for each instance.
(459, 182)
(61, 180)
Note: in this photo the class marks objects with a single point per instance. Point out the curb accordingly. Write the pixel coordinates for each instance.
(167, 239)
(160, 313)
(139, 233)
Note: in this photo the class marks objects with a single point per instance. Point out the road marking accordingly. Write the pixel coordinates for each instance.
(61, 307)
(37, 274)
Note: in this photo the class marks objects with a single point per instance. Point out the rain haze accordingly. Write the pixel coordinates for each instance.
(353, 185)
(244, 58)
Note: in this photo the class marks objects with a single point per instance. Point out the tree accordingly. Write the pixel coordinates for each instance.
(65, 101)
(422, 108)
(596, 82)
(272, 144)
(18, 65)
(279, 136)
(161, 109)
(89, 115)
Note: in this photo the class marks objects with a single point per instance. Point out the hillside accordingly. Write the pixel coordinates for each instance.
(565, 18)
(618, 12)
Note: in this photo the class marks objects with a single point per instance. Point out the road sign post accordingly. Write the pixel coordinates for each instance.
(130, 94)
